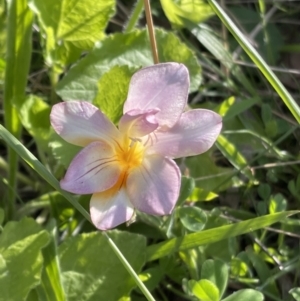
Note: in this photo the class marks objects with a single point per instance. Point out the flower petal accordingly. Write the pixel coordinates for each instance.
(194, 133)
(154, 186)
(137, 123)
(94, 169)
(162, 86)
(80, 123)
(110, 211)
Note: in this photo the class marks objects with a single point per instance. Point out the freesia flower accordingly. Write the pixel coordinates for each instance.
(132, 166)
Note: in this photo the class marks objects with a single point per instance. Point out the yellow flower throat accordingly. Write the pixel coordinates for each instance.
(131, 154)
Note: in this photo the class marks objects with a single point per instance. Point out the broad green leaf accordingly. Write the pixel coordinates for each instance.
(277, 203)
(22, 262)
(232, 154)
(215, 271)
(205, 290)
(192, 218)
(91, 271)
(245, 295)
(69, 27)
(195, 11)
(295, 292)
(81, 81)
(34, 115)
(82, 22)
(63, 151)
(112, 91)
(192, 240)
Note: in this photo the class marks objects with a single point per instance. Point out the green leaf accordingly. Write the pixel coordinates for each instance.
(192, 240)
(91, 271)
(295, 292)
(277, 203)
(192, 218)
(187, 186)
(239, 107)
(51, 287)
(112, 91)
(264, 191)
(63, 151)
(245, 295)
(257, 59)
(208, 176)
(81, 81)
(21, 263)
(238, 267)
(231, 153)
(208, 38)
(205, 290)
(226, 104)
(215, 271)
(67, 20)
(195, 11)
(199, 194)
(263, 271)
(34, 115)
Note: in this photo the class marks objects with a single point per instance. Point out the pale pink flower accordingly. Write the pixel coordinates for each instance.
(132, 166)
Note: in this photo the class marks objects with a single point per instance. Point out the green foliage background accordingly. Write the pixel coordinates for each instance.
(234, 234)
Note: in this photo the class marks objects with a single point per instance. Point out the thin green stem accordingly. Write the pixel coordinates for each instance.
(258, 60)
(134, 17)
(19, 23)
(151, 31)
(22, 178)
(129, 269)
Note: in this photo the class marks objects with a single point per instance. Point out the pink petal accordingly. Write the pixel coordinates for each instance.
(162, 86)
(80, 123)
(137, 123)
(94, 169)
(194, 133)
(154, 186)
(108, 211)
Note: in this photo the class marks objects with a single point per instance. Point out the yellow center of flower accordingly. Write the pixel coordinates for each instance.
(131, 154)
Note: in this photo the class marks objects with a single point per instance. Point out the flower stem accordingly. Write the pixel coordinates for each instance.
(129, 269)
(151, 31)
(134, 17)
(19, 24)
